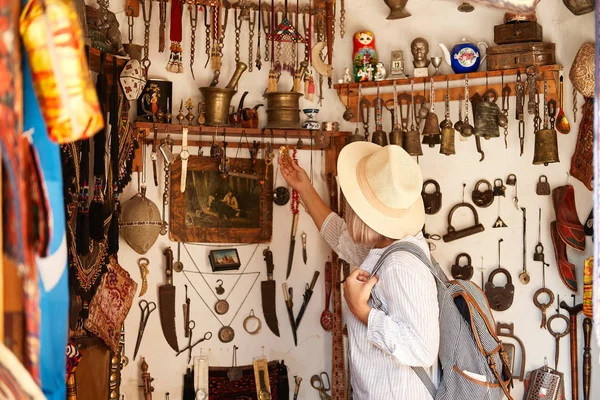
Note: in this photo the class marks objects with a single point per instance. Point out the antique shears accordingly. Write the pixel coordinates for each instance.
(190, 346)
(322, 384)
(146, 308)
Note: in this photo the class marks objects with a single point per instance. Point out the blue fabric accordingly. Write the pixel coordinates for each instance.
(52, 270)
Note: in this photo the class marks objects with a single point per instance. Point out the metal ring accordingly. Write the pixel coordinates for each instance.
(249, 318)
(559, 334)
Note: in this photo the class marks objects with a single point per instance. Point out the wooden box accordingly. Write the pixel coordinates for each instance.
(518, 32)
(521, 55)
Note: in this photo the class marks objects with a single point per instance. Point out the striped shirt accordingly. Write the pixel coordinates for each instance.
(404, 332)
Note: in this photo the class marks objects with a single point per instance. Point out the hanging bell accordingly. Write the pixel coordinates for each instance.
(447, 147)
(244, 12)
(431, 130)
(380, 138)
(486, 116)
(546, 147)
(396, 137)
(412, 143)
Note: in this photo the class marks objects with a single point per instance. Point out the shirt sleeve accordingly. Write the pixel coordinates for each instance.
(335, 232)
(410, 330)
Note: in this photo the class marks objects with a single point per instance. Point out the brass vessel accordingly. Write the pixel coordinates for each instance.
(411, 142)
(397, 9)
(546, 147)
(283, 109)
(217, 101)
(431, 130)
(447, 147)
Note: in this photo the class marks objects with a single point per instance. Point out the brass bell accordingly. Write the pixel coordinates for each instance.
(486, 117)
(380, 138)
(412, 143)
(244, 14)
(431, 130)
(396, 137)
(546, 147)
(447, 147)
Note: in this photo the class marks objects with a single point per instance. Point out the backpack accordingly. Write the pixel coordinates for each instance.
(468, 340)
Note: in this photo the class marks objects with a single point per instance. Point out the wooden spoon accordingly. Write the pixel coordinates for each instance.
(562, 122)
(327, 315)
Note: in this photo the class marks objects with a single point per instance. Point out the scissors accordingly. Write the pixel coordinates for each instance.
(190, 346)
(318, 382)
(146, 308)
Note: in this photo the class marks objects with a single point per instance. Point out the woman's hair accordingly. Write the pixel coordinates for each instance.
(360, 232)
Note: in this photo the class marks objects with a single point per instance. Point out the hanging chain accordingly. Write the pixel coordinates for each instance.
(207, 33)
(396, 111)
(520, 110)
(163, 25)
(574, 105)
(343, 19)
(505, 107)
(447, 101)
(537, 121)
(258, 49)
(193, 9)
(306, 28)
(466, 99)
(147, 15)
(129, 13)
(237, 24)
(251, 26)
(432, 96)
(545, 105)
(267, 30)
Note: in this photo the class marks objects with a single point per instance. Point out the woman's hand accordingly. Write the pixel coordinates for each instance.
(295, 176)
(357, 290)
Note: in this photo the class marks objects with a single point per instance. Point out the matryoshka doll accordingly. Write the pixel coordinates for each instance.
(364, 56)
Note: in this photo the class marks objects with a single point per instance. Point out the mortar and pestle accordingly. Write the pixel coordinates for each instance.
(283, 108)
(217, 101)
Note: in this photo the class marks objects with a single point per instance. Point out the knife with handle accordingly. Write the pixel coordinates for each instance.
(307, 295)
(304, 255)
(288, 295)
(166, 302)
(292, 245)
(267, 291)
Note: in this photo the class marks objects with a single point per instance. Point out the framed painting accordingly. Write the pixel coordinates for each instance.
(217, 209)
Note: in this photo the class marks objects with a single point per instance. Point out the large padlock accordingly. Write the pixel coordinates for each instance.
(453, 234)
(499, 188)
(500, 297)
(432, 201)
(511, 180)
(543, 186)
(484, 198)
(464, 272)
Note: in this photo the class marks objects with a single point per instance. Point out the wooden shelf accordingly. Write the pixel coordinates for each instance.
(147, 129)
(348, 92)
(94, 63)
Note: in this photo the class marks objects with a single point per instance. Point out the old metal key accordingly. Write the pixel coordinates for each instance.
(558, 335)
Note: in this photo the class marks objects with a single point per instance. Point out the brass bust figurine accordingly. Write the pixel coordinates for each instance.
(419, 49)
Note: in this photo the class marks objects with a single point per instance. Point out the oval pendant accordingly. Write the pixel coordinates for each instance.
(226, 334)
(221, 307)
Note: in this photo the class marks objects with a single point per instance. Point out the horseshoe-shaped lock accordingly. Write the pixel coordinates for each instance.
(500, 297)
(483, 199)
(432, 201)
(453, 234)
(464, 272)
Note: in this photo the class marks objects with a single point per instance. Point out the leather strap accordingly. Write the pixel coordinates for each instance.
(184, 155)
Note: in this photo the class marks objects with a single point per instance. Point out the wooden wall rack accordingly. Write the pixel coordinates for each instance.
(348, 92)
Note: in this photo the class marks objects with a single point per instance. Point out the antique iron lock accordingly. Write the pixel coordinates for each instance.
(499, 188)
(543, 186)
(453, 234)
(464, 272)
(484, 198)
(432, 201)
(500, 297)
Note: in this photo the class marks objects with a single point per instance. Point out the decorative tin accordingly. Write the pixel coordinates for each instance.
(518, 32)
(521, 55)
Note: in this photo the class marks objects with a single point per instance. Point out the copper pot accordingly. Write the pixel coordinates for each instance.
(397, 10)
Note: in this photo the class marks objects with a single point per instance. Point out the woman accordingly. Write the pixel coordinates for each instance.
(382, 187)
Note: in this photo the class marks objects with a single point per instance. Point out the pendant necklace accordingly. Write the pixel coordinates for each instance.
(268, 156)
(226, 332)
(147, 15)
(193, 10)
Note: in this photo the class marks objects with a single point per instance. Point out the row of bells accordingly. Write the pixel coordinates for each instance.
(488, 120)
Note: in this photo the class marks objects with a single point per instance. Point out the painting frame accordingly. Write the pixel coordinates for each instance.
(215, 257)
(193, 216)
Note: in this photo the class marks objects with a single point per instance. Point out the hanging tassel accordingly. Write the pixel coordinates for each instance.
(272, 83)
(309, 87)
(175, 64)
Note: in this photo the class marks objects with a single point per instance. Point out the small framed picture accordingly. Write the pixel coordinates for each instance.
(224, 260)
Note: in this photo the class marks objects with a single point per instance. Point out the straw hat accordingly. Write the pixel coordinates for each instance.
(383, 187)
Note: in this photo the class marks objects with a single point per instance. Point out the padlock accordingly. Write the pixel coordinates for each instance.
(500, 298)
(464, 272)
(432, 201)
(511, 180)
(484, 198)
(453, 234)
(539, 253)
(543, 186)
(499, 188)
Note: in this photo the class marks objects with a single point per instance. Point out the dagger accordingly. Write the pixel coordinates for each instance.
(166, 302)
(292, 245)
(288, 295)
(268, 295)
(304, 255)
(307, 295)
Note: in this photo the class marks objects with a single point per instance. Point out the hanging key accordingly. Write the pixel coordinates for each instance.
(558, 335)
(511, 180)
(524, 276)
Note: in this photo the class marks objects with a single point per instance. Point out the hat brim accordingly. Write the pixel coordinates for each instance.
(392, 227)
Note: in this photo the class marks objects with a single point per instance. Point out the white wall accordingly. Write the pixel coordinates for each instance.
(438, 21)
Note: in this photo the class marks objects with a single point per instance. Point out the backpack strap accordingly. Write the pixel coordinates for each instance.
(420, 254)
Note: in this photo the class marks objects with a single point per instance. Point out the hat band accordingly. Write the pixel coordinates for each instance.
(369, 193)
